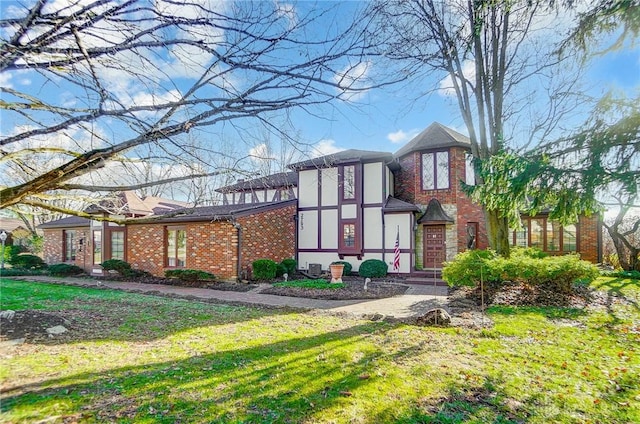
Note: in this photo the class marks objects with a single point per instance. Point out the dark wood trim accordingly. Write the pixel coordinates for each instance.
(435, 162)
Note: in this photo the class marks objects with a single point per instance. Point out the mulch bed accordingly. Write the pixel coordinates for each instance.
(354, 290)
(215, 285)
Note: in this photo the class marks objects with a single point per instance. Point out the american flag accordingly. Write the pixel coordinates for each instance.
(396, 252)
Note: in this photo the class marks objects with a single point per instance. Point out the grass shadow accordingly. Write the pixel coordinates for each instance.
(267, 383)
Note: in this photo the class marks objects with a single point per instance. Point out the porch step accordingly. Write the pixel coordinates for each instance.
(427, 281)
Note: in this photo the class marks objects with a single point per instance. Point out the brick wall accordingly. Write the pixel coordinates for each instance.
(409, 188)
(590, 228)
(53, 248)
(269, 235)
(213, 246)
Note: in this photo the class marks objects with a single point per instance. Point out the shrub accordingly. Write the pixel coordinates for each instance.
(16, 272)
(634, 275)
(280, 270)
(347, 267)
(122, 267)
(264, 269)
(64, 270)
(373, 268)
(28, 261)
(10, 252)
(190, 275)
(528, 252)
(290, 264)
(470, 267)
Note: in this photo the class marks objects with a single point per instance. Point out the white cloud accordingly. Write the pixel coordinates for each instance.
(400, 136)
(353, 80)
(325, 147)
(261, 153)
(288, 12)
(5, 80)
(446, 85)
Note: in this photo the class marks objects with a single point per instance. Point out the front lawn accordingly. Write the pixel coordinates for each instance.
(138, 358)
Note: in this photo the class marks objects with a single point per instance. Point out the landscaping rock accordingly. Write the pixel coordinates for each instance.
(437, 316)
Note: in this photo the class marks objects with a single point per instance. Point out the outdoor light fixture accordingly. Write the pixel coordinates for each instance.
(3, 238)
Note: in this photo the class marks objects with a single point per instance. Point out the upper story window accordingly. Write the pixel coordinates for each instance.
(70, 250)
(470, 175)
(176, 247)
(435, 171)
(349, 182)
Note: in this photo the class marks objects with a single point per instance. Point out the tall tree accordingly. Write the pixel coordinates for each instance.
(90, 81)
(498, 62)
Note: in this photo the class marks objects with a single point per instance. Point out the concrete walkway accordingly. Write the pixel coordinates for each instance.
(416, 301)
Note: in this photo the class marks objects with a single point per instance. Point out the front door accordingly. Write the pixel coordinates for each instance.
(434, 248)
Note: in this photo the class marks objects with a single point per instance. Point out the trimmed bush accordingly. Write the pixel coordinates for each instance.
(373, 268)
(290, 264)
(280, 270)
(347, 267)
(27, 261)
(558, 273)
(122, 267)
(470, 267)
(189, 275)
(264, 269)
(16, 272)
(64, 270)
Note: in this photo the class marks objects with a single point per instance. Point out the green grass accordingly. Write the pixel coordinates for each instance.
(147, 359)
(310, 284)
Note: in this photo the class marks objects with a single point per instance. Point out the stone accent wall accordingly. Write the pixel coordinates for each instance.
(408, 187)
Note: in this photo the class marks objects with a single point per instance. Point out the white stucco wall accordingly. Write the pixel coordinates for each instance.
(329, 186)
(372, 182)
(329, 236)
(349, 211)
(308, 230)
(372, 228)
(308, 188)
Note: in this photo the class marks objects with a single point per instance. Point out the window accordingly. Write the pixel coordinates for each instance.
(97, 247)
(117, 245)
(470, 176)
(435, 171)
(537, 233)
(553, 236)
(472, 235)
(349, 182)
(546, 235)
(176, 247)
(349, 235)
(69, 237)
(569, 238)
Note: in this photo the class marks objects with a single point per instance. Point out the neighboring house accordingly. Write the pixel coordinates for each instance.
(270, 188)
(17, 232)
(223, 240)
(406, 208)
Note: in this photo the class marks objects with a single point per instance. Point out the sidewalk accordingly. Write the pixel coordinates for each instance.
(416, 301)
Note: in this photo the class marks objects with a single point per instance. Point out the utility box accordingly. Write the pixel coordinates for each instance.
(315, 269)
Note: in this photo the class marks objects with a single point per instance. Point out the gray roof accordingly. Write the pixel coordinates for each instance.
(345, 156)
(434, 214)
(68, 222)
(282, 179)
(393, 204)
(221, 212)
(435, 136)
(203, 213)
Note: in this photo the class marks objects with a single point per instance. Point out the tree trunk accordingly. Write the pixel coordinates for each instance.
(497, 232)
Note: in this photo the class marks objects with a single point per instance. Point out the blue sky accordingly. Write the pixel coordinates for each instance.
(380, 119)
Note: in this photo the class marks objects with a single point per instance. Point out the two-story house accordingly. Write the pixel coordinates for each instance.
(406, 208)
